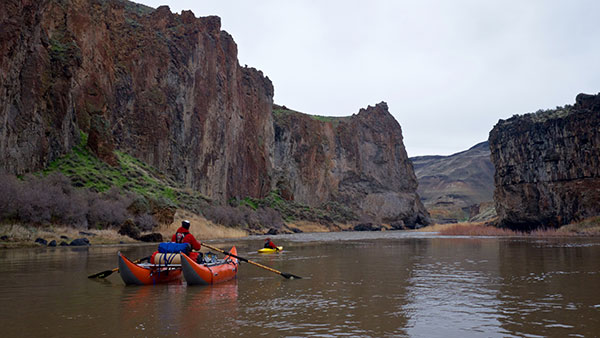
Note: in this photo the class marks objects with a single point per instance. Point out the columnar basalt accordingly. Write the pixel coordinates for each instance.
(548, 165)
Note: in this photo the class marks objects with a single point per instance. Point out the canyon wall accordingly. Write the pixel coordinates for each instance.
(548, 165)
(165, 88)
(359, 161)
(168, 89)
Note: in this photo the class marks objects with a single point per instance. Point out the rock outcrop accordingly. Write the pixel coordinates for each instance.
(165, 88)
(548, 165)
(359, 161)
(454, 187)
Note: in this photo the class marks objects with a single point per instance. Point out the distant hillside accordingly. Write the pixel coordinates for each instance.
(453, 187)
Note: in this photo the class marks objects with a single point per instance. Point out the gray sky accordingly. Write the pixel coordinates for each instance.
(447, 69)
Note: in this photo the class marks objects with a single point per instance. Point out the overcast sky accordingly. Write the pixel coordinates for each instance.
(447, 69)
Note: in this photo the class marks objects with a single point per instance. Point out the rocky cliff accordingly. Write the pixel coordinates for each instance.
(454, 187)
(548, 165)
(358, 160)
(163, 87)
(168, 89)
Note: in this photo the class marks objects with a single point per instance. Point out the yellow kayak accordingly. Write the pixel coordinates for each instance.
(269, 250)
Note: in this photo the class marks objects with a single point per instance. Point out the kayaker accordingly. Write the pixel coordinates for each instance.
(183, 235)
(269, 244)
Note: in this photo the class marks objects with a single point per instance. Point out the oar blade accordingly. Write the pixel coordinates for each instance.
(102, 274)
(290, 276)
(107, 273)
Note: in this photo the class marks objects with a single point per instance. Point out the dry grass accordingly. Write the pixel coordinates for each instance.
(440, 227)
(476, 229)
(201, 228)
(589, 227)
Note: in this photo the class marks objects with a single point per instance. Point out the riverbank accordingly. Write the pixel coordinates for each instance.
(587, 227)
(20, 235)
(23, 235)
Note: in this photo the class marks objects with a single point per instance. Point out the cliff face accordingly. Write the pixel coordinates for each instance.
(163, 87)
(454, 187)
(548, 165)
(359, 161)
(37, 117)
(168, 89)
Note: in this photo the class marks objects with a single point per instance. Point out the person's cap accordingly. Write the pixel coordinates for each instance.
(267, 239)
(185, 224)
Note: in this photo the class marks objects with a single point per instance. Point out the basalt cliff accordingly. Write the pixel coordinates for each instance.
(359, 161)
(548, 165)
(168, 89)
(163, 87)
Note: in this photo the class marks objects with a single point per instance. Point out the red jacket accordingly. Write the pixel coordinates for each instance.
(270, 244)
(185, 237)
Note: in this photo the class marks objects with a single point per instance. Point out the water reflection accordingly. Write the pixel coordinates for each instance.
(362, 285)
(346, 285)
(549, 292)
(455, 287)
(177, 309)
(211, 309)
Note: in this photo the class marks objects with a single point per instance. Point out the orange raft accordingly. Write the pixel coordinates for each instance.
(209, 273)
(147, 274)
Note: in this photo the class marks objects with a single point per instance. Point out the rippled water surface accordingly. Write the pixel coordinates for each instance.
(355, 284)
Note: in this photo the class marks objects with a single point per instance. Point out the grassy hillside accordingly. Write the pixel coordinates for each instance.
(156, 190)
(86, 171)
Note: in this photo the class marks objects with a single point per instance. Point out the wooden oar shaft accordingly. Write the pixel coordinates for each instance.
(107, 273)
(286, 275)
(263, 266)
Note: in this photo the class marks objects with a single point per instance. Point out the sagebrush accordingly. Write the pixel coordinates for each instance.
(51, 199)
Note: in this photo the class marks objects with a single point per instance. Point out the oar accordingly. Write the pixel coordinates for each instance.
(107, 273)
(286, 275)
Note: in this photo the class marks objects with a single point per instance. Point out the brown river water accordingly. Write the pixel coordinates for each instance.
(356, 284)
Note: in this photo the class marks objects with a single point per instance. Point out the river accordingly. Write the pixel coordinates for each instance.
(358, 284)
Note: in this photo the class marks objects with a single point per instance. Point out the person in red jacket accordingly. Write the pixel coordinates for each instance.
(269, 244)
(183, 235)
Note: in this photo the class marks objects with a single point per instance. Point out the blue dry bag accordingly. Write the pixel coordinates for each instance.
(172, 247)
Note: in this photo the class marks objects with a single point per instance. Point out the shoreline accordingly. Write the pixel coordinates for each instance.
(24, 236)
(15, 235)
(586, 228)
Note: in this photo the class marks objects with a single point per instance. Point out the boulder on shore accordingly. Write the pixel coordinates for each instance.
(367, 227)
(41, 241)
(80, 242)
(128, 228)
(154, 237)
